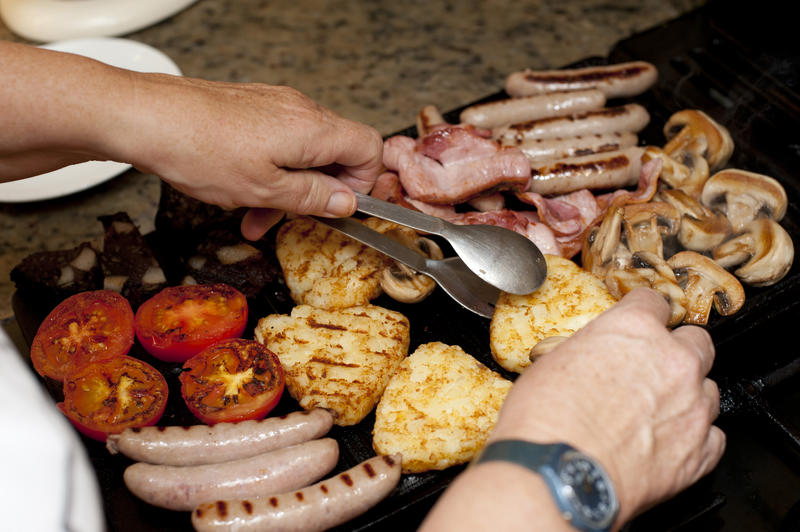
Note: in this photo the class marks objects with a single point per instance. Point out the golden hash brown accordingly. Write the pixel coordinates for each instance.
(340, 360)
(438, 408)
(567, 300)
(324, 268)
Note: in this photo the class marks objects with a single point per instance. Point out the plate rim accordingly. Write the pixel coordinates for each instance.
(67, 180)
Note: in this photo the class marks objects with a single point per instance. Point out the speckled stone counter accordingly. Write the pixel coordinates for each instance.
(376, 61)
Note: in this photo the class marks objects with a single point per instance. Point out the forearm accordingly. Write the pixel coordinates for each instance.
(55, 109)
(496, 496)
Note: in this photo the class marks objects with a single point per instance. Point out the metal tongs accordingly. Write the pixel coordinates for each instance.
(451, 274)
(490, 259)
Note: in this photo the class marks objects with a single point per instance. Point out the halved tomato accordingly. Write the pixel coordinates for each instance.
(83, 328)
(181, 321)
(110, 396)
(232, 380)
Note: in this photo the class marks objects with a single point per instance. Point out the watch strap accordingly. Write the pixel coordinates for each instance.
(525, 453)
(543, 459)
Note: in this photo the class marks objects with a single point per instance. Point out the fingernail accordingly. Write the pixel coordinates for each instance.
(340, 204)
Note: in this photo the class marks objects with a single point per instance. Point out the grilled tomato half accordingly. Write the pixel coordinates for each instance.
(232, 380)
(180, 321)
(84, 328)
(110, 396)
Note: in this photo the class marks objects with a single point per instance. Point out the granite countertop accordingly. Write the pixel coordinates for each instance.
(376, 61)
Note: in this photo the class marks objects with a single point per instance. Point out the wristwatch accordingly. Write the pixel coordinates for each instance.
(580, 486)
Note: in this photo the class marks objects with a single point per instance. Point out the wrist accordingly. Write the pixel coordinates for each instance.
(562, 424)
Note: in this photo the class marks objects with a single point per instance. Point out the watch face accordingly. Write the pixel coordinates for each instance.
(588, 489)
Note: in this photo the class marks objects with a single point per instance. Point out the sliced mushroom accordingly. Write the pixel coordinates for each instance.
(684, 170)
(403, 283)
(701, 229)
(647, 223)
(650, 270)
(763, 251)
(545, 346)
(744, 196)
(705, 283)
(685, 128)
(603, 248)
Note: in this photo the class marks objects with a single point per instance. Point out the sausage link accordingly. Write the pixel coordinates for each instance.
(184, 487)
(535, 107)
(203, 444)
(630, 117)
(324, 505)
(539, 150)
(619, 80)
(609, 170)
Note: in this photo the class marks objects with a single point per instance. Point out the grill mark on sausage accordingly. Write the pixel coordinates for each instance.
(199, 512)
(346, 479)
(323, 488)
(273, 501)
(562, 168)
(370, 472)
(589, 76)
(222, 508)
(607, 112)
(248, 507)
(389, 461)
(299, 495)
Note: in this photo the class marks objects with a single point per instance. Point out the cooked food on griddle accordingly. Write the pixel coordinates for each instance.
(340, 360)
(567, 300)
(438, 408)
(184, 220)
(325, 269)
(55, 275)
(129, 266)
(225, 257)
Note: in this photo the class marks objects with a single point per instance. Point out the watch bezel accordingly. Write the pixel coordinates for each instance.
(570, 494)
(548, 460)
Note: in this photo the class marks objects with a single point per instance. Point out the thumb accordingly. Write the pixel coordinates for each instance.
(312, 192)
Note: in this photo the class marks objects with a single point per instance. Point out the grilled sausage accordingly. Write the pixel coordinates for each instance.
(535, 107)
(619, 80)
(631, 117)
(324, 505)
(203, 444)
(184, 487)
(608, 170)
(428, 117)
(539, 150)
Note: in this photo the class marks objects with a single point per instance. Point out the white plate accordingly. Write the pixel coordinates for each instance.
(121, 53)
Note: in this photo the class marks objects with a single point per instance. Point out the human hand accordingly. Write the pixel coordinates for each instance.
(630, 393)
(251, 145)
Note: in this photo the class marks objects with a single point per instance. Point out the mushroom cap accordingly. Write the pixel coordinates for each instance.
(744, 196)
(763, 249)
(646, 223)
(545, 346)
(706, 282)
(700, 228)
(685, 170)
(397, 280)
(650, 270)
(667, 216)
(403, 284)
(602, 247)
(688, 125)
